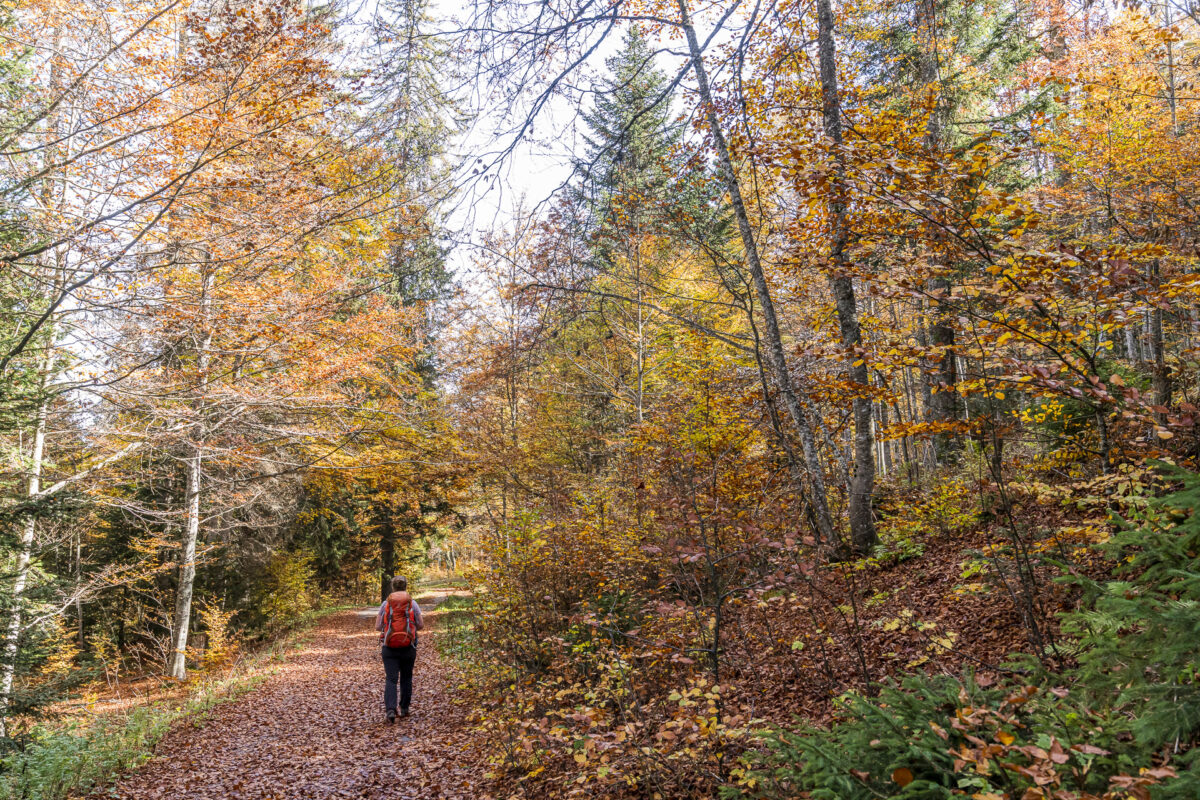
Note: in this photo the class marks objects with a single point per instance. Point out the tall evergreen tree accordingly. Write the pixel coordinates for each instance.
(25, 391)
(632, 148)
(640, 196)
(414, 117)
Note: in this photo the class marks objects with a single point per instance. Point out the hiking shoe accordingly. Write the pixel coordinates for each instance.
(391, 716)
(404, 712)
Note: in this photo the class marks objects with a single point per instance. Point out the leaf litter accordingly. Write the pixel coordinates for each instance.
(316, 729)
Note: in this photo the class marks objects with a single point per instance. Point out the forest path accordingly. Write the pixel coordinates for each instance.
(316, 729)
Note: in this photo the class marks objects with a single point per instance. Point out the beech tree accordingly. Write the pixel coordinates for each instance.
(198, 225)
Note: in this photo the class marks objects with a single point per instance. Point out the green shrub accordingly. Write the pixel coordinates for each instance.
(287, 593)
(456, 638)
(939, 737)
(73, 759)
(1138, 639)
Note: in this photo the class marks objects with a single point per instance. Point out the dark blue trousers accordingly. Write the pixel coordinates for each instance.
(398, 664)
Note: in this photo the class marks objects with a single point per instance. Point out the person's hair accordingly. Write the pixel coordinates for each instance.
(399, 583)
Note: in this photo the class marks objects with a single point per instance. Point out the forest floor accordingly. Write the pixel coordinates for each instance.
(316, 729)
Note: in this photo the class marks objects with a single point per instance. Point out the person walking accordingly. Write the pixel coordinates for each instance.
(398, 621)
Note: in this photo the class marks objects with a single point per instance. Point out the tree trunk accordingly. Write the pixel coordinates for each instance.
(1132, 351)
(387, 559)
(24, 556)
(862, 483)
(1160, 380)
(943, 396)
(79, 582)
(886, 460)
(177, 659)
(942, 380)
(826, 531)
(641, 339)
(8, 657)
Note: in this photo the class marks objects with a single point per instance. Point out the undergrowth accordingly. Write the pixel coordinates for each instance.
(1122, 722)
(456, 638)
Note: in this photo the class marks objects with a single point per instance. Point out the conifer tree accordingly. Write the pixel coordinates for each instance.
(414, 119)
(930, 51)
(637, 194)
(631, 148)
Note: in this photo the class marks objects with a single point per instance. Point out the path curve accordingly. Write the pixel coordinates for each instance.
(316, 729)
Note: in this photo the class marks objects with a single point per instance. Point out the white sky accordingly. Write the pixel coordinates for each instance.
(535, 169)
(528, 176)
(537, 166)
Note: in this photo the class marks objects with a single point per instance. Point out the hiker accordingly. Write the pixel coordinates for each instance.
(398, 621)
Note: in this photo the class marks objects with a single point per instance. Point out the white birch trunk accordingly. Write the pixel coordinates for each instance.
(826, 530)
(177, 663)
(21, 577)
(177, 658)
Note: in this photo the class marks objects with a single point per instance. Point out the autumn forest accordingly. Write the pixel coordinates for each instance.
(774, 399)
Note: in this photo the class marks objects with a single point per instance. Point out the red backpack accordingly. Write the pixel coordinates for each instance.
(399, 621)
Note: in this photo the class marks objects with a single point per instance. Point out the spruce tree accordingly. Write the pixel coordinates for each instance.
(640, 199)
(629, 176)
(942, 46)
(415, 119)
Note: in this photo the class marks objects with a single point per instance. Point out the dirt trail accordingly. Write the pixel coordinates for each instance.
(316, 729)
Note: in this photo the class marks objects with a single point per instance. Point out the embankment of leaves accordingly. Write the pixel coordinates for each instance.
(592, 667)
(1122, 722)
(589, 678)
(57, 762)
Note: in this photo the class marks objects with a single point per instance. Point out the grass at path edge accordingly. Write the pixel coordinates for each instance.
(455, 619)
